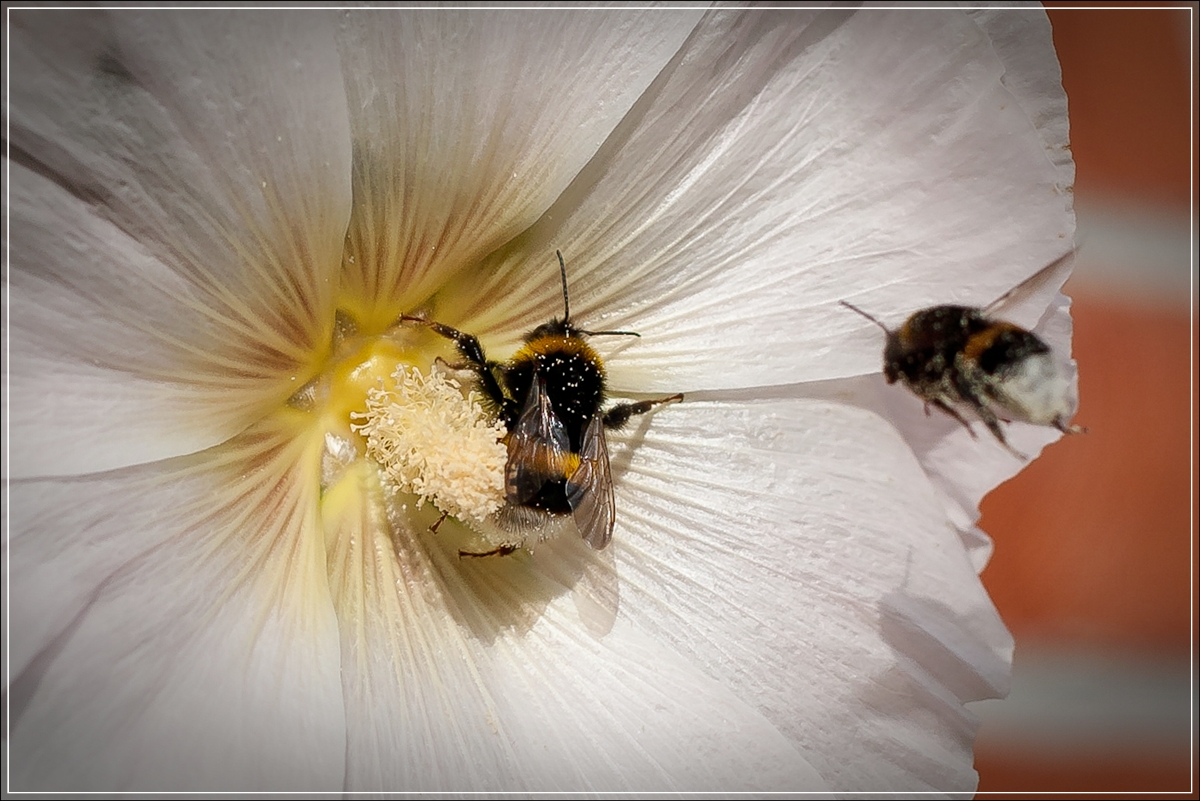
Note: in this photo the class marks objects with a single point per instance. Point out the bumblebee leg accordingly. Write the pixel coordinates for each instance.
(468, 345)
(619, 415)
(1069, 429)
(993, 423)
(503, 550)
(950, 410)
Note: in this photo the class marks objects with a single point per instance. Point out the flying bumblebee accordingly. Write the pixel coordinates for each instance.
(963, 357)
(549, 396)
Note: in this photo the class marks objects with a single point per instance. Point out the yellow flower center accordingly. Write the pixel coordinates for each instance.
(387, 400)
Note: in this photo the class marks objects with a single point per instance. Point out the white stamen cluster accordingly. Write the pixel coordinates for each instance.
(435, 442)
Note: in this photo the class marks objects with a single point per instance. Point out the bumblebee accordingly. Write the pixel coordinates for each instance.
(963, 357)
(549, 396)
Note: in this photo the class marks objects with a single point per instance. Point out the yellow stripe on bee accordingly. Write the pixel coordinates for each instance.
(553, 466)
(981, 341)
(549, 345)
(910, 332)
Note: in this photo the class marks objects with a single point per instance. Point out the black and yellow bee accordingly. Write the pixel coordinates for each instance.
(549, 396)
(965, 358)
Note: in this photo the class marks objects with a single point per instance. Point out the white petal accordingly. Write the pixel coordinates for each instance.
(479, 675)
(172, 628)
(469, 123)
(791, 160)
(795, 550)
(180, 196)
(1024, 44)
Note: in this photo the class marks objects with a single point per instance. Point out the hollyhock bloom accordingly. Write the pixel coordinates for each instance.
(216, 220)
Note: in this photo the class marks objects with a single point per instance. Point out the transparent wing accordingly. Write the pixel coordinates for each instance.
(589, 489)
(537, 447)
(1047, 280)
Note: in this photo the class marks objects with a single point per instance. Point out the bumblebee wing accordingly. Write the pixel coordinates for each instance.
(589, 489)
(1045, 281)
(537, 446)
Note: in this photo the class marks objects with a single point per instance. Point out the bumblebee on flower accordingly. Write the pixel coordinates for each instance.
(548, 398)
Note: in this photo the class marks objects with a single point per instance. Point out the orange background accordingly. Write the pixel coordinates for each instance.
(1095, 540)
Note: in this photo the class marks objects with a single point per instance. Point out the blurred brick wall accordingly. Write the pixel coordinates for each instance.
(1094, 541)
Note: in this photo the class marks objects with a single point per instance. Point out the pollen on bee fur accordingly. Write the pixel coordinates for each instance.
(437, 443)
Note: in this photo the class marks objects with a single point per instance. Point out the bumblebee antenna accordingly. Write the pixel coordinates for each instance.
(610, 333)
(562, 268)
(852, 307)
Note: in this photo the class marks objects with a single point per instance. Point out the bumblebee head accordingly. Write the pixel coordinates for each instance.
(554, 328)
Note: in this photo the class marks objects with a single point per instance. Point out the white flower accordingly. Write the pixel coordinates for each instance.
(217, 217)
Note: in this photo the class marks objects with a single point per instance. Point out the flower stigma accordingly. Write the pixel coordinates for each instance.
(435, 442)
(384, 404)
